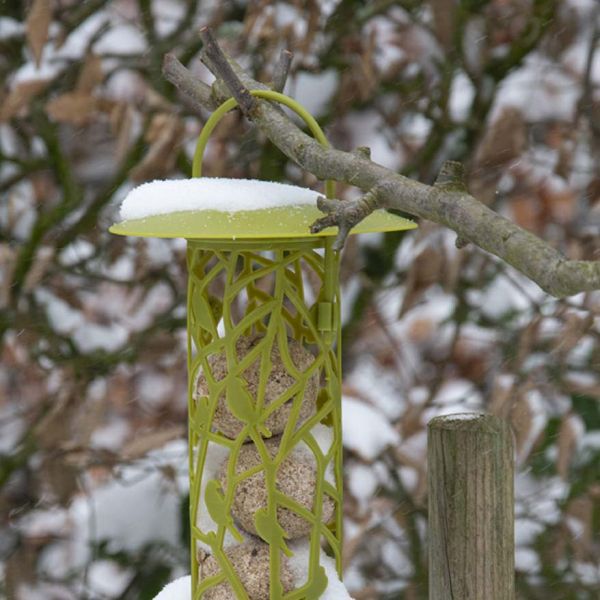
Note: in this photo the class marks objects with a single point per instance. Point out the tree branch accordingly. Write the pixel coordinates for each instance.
(447, 202)
(197, 91)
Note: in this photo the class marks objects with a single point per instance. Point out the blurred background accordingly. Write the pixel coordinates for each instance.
(93, 497)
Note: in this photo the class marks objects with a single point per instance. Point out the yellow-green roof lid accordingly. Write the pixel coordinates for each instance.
(232, 209)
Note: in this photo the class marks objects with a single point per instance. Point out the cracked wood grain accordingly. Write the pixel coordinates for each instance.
(471, 508)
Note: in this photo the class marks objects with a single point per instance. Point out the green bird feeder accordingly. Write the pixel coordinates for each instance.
(264, 369)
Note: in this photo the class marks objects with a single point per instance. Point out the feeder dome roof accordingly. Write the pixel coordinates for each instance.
(232, 209)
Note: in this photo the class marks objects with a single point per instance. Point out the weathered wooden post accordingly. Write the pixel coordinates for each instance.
(471, 508)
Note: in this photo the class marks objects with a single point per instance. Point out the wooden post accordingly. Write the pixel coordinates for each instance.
(471, 508)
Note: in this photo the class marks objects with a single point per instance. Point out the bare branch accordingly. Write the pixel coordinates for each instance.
(197, 91)
(282, 69)
(447, 202)
(213, 51)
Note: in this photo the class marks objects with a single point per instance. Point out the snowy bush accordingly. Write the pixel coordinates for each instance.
(93, 383)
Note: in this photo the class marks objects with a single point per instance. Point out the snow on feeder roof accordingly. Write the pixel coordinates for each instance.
(229, 209)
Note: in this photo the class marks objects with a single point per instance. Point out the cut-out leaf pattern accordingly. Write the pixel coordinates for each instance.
(215, 503)
(203, 312)
(217, 508)
(269, 529)
(239, 401)
(202, 414)
(318, 584)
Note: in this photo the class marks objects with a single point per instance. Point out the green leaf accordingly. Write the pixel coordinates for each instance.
(203, 314)
(239, 401)
(317, 585)
(201, 415)
(217, 508)
(269, 529)
(215, 503)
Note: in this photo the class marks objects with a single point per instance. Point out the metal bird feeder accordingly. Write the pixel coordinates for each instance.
(264, 369)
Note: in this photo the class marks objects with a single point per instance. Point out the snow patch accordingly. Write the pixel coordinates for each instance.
(461, 97)
(168, 14)
(527, 530)
(122, 39)
(107, 578)
(462, 417)
(211, 193)
(457, 391)
(367, 128)
(526, 560)
(10, 28)
(123, 511)
(388, 52)
(362, 482)
(314, 91)
(78, 41)
(379, 386)
(31, 72)
(92, 337)
(111, 436)
(180, 589)
(76, 252)
(366, 430)
(12, 427)
(540, 90)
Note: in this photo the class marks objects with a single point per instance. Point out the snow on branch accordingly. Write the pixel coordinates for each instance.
(447, 202)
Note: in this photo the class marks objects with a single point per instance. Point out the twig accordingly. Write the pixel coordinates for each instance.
(281, 71)
(213, 51)
(447, 203)
(346, 214)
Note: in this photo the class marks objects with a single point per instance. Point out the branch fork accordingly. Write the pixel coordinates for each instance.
(345, 214)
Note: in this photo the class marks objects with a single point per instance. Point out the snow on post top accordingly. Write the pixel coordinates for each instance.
(211, 193)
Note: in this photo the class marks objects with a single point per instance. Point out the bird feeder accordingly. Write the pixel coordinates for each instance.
(264, 370)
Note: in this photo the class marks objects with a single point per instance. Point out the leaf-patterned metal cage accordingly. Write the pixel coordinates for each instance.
(264, 370)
